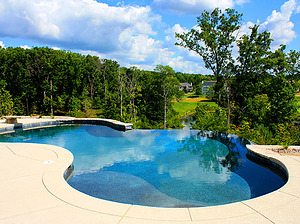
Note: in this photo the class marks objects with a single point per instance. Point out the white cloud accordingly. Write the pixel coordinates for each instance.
(25, 47)
(279, 24)
(56, 48)
(145, 53)
(241, 2)
(1, 44)
(75, 24)
(195, 6)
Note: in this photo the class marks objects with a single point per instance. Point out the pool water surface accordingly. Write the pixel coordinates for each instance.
(163, 168)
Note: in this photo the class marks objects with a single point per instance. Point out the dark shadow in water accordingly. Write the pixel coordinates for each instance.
(103, 131)
(262, 180)
(209, 154)
(39, 133)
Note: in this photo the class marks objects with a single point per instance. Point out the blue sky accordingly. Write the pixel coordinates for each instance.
(136, 32)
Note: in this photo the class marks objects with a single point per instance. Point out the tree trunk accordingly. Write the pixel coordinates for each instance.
(165, 113)
(27, 106)
(121, 113)
(105, 88)
(228, 104)
(121, 93)
(51, 97)
(228, 111)
(131, 108)
(134, 117)
(85, 103)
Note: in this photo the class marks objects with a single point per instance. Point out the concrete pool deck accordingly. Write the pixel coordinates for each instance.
(33, 191)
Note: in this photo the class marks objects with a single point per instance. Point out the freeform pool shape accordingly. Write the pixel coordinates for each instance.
(163, 168)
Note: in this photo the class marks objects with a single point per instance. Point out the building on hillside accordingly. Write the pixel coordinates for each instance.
(187, 87)
(206, 87)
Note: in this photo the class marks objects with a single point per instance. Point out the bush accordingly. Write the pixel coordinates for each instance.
(282, 134)
(260, 134)
(286, 135)
(210, 118)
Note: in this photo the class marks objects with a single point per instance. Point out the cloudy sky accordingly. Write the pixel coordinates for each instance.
(135, 32)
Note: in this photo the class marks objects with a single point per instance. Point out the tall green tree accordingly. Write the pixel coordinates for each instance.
(213, 40)
(250, 72)
(293, 60)
(260, 80)
(6, 102)
(168, 87)
(131, 85)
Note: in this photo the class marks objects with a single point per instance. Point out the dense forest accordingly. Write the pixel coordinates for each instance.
(44, 81)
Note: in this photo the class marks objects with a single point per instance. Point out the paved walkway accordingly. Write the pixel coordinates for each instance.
(33, 191)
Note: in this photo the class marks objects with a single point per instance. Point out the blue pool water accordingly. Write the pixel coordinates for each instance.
(164, 168)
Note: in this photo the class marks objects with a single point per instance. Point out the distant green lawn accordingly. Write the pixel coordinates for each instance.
(187, 105)
(184, 108)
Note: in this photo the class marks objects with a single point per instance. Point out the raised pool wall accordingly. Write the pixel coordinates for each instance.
(117, 125)
(270, 163)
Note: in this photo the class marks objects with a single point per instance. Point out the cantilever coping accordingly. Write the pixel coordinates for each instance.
(42, 168)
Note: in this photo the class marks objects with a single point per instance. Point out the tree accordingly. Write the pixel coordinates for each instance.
(250, 72)
(121, 85)
(214, 40)
(92, 73)
(131, 84)
(209, 118)
(168, 86)
(260, 81)
(6, 102)
(293, 60)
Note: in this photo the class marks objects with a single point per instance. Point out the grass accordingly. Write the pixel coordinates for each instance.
(91, 113)
(188, 104)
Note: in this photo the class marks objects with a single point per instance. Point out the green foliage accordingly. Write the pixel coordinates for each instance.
(260, 134)
(210, 118)
(282, 100)
(167, 87)
(281, 134)
(54, 82)
(286, 135)
(6, 102)
(74, 106)
(261, 92)
(195, 79)
(214, 39)
(259, 108)
(257, 86)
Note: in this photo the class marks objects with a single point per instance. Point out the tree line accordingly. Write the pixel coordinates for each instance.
(52, 82)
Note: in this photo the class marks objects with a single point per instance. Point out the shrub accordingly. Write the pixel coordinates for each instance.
(210, 118)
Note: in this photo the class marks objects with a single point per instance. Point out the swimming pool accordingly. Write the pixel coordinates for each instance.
(164, 168)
